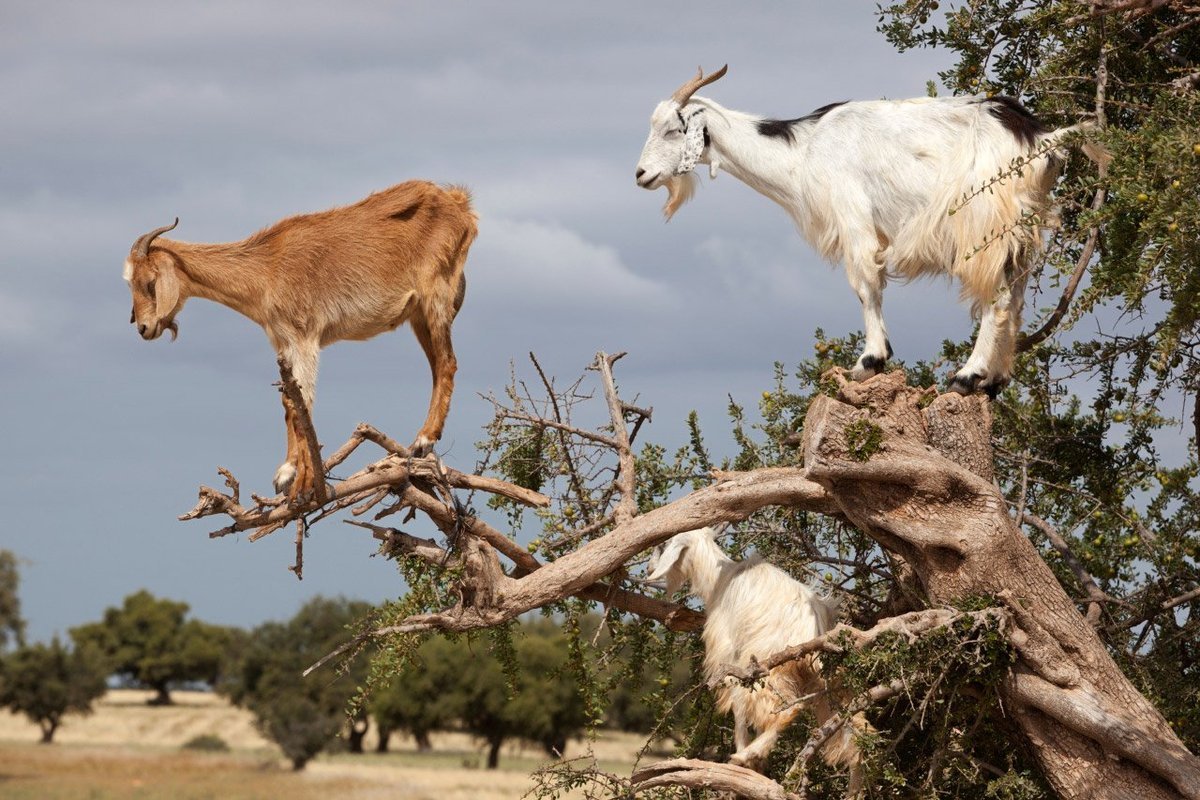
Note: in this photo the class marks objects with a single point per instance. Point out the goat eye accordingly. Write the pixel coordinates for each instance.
(673, 134)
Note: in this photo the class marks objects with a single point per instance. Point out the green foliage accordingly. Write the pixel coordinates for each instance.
(302, 715)
(206, 743)
(46, 682)
(415, 696)
(148, 640)
(12, 626)
(863, 439)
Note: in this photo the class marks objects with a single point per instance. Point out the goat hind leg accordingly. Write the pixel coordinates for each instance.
(990, 366)
(439, 350)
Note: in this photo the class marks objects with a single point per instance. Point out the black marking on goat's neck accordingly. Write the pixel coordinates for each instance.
(784, 128)
(1016, 118)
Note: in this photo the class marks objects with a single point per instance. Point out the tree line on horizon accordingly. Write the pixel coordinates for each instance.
(528, 693)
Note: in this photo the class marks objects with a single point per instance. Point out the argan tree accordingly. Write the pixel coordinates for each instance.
(12, 625)
(150, 641)
(1020, 580)
(303, 717)
(47, 682)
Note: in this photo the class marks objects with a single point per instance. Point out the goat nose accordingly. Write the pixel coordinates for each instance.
(142, 329)
(640, 173)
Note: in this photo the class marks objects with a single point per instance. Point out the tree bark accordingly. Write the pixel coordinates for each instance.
(923, 488)
(358, 732)
(385, 736)
(49, 726)
(163, 696)
(493, 759)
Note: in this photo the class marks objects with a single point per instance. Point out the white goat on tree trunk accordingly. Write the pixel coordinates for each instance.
(754, 609)
(954, 185)
(353, 272)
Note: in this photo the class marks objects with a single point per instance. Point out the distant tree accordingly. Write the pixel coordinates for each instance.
(523, 689)
(301, 715)
(12, 627)
(46, 682)
(417, 699)
(148, 640)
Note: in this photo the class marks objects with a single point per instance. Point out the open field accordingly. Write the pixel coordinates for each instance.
(127, 749)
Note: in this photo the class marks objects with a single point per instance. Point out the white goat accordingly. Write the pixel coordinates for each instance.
(347, 273)
(756, 609)
(880, 186)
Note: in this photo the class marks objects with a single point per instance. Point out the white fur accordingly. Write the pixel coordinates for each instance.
(756, 609)
(879, 187)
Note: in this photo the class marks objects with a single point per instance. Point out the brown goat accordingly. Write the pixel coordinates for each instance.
(310, 280)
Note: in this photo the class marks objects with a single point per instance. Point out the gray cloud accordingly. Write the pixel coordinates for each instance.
(120, 116)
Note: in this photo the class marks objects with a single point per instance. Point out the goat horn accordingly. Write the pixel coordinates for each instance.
(685, 92)
(141, 247)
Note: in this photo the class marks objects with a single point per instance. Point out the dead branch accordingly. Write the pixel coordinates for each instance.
(303, 421)
(876, 694)
(696, 774)
(627, 506)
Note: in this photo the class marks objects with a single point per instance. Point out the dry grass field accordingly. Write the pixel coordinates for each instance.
(127, 749)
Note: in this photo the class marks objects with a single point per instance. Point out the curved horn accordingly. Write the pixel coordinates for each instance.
(685, 92)
(141, 248)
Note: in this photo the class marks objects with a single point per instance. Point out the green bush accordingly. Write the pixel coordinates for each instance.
(207, 742)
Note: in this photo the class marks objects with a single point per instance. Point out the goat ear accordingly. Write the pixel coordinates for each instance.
(166, 291)
(664, 567)
(693, 143)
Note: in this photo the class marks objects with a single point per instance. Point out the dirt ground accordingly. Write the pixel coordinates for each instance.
(127, 749)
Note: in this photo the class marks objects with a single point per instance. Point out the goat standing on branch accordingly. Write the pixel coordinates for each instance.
(311, 280)
(953, 185)
(754, 610)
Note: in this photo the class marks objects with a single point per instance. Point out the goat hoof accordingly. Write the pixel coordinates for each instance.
(744, 760)
(993, 387)
(965, 384)
(423, 446)
(868, 366)
(284, 477)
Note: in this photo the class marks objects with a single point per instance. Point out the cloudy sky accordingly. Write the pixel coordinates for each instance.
(119, 116)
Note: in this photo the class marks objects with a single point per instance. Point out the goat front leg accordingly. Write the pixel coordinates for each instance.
(435, 341)
(868, 276)
(298, 475)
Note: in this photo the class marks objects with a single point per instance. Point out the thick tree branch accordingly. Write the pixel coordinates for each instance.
(695, 774)
(1080, 710)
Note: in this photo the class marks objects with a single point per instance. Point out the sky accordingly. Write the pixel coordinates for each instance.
(120, 116)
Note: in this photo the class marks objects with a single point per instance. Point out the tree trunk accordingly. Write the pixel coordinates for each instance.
(919, 481)
(49, 726)
(385, 735)
(298, 763)
(358, 732)
(423, 743)
(163, 698)
(494, 752)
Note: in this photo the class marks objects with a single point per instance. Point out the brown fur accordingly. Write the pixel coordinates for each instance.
(310, 280)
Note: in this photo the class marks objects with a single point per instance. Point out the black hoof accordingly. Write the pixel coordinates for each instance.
(867, 367)
(965, 384)
(994, 387)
